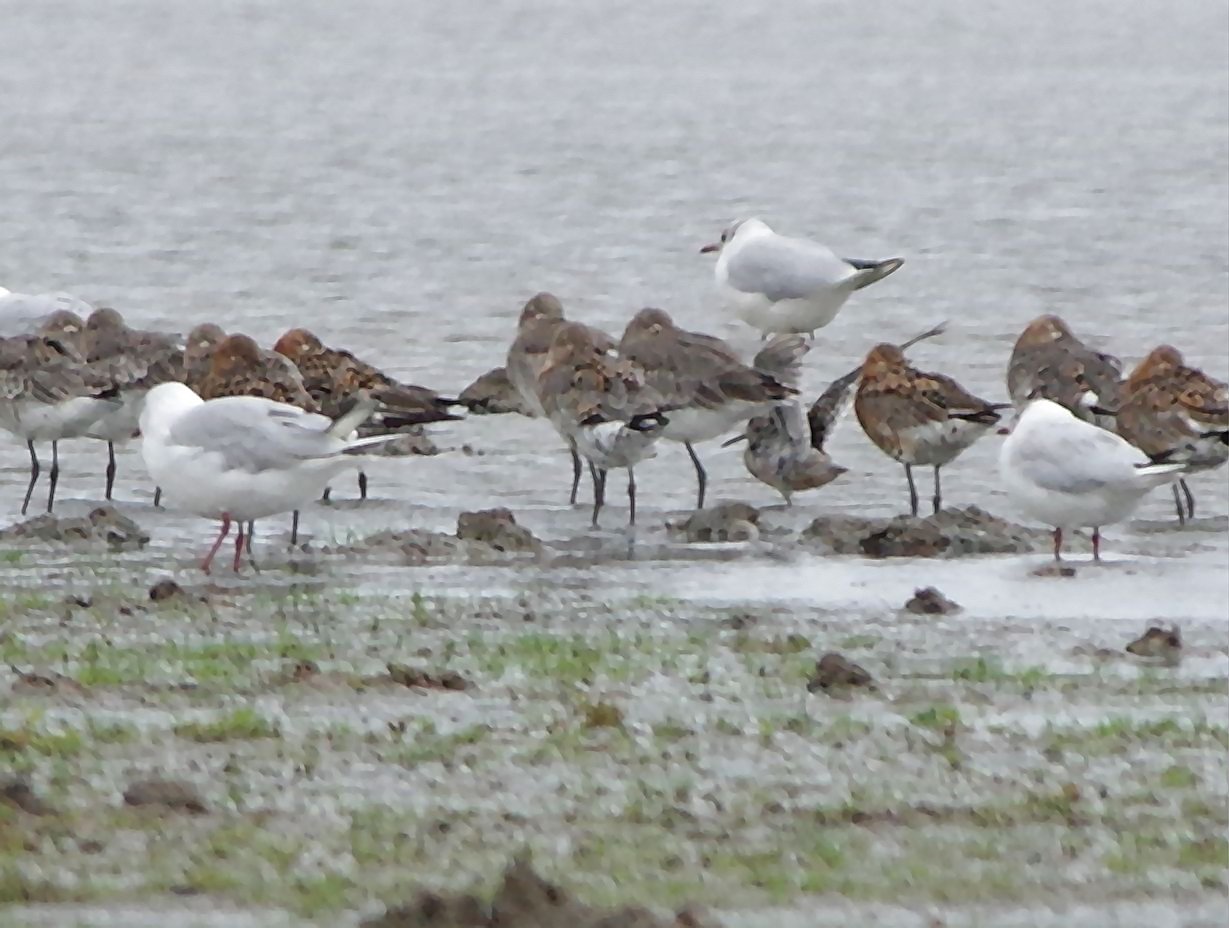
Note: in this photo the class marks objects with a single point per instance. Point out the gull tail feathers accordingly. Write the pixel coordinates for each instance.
(353, 417)
(868, 272)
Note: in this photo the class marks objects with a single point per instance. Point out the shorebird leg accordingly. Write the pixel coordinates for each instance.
(938, 500)
(110, 468)
(1096, 544)
(1178, 504)
(217, 544)
(701, 476)
(324, 497)
(631, 496)
(239, 539)
(157, 497)
(294, 528)
(54, 474)
(575, 474)
(362, 485)
(1058, 544)
(34, 472)
(248, 545)
(1190, 497)
(599, 491)
(912, 489)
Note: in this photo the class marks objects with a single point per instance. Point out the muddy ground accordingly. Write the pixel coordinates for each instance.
(373, 732)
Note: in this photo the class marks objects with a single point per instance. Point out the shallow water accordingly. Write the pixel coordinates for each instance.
(401, 180)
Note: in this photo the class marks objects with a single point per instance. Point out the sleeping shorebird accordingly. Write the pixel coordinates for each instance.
(49, 393)
(777, 283)
(540, 318)
(602, 406)
(334, 377)
(139, 361)
(1171, 409)
(916, 417)
(1049, 362)
(1071, 474)
(707, 389)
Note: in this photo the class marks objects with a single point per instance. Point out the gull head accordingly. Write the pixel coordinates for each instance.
(540, 306)
(296, 343)
(649, 321)
(163, 405)
(740, 229)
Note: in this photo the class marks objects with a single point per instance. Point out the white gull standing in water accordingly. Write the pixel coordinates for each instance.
(778, 283)
(242, 458)
(1072, 474)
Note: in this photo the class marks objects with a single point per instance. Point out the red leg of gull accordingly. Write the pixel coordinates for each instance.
(217, 544)
(1058, 544)
(1096, 544)
(239, 539)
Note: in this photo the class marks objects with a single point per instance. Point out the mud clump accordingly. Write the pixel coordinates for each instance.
(165, 794)
(1158, 644)
(835, 674)
(164, 590)
(497, 528)
(19, 794)
(724, 522)
(492, 394)
(418, 678)
(949, 533)
(411, 546)
(929, 601)
(1053, 569)
(523, 900)
(104, 526)
(412, 440)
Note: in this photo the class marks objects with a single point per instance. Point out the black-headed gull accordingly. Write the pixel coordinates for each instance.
(242, 458)
(778, 283)
(1072, 474)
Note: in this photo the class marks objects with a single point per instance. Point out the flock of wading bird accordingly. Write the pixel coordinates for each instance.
(235, 433)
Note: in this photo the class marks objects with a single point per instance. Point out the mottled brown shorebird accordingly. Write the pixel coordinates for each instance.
(540, 318)
(1171, 411)
(918, 418)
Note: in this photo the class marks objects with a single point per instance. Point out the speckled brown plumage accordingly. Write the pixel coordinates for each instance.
(916, 417)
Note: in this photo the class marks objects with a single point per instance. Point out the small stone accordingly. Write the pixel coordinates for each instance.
(169, 794)
(164, 590)
(834, 673)
(929, 601)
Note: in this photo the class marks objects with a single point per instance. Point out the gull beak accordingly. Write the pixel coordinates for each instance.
(710, 248)
(734, 441)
